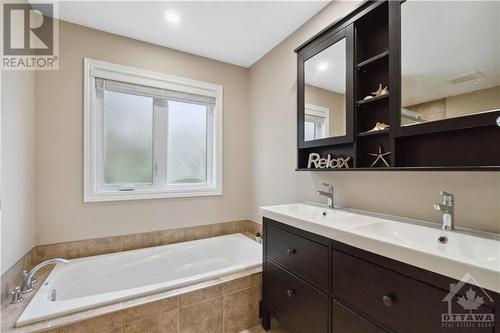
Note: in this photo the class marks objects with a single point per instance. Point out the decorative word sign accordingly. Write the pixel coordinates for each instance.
(329, 162)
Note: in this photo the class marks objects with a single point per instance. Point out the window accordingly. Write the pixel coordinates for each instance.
(149, 135)
(316, 122)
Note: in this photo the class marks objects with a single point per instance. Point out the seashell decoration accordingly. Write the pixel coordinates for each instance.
(379, 127)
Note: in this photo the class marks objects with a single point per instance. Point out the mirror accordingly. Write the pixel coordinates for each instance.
(325, 93)
(450, 59)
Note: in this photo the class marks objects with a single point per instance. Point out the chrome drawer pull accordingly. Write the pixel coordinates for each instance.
(290, 292)
(291, 251)
(387, 300)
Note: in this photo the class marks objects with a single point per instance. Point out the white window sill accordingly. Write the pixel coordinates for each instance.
(144, 195)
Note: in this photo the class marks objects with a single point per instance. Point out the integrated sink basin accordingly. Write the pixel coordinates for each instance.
(473, 247)
(414, 242)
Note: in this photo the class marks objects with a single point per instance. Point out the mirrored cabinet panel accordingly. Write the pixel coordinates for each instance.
(325, 88)
(325, 93)
(450, 59)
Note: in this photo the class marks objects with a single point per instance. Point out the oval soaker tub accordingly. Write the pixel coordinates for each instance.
(94, 281)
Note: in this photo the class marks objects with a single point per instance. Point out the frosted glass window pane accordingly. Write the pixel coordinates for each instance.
(128, 139)
(187, 143)
(309, 131)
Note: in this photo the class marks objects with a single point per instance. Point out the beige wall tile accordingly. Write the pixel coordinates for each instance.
(252, 227)
(171, 236)
(229, 228)
(203, 317)
(98, 246)
(139, 312)
(199, 232)
(111, 323)
(163, 322)
(139, 241)
(242, 283)
(68, 250)
(200, 295)
(241, 310)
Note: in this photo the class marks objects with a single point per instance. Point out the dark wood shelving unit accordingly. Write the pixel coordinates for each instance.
(373, 35)
(372, 56)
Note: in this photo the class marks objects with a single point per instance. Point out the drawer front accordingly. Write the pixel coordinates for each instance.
(394, 300)
(345, 320)
(300, 307)
(305, 258)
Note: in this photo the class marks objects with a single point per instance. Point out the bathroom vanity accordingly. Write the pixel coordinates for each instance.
(363, 273)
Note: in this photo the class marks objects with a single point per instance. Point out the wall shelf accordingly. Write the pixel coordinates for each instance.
(380, 132)
(371, 100)
(372, 59)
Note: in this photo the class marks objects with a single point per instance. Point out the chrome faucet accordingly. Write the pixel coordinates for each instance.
(16, 295)
(447, 206)
(328, 194)
(30, 278)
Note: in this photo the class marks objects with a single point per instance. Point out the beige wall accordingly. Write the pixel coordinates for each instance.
(61, 213)
(18, 165)
(335, 102)
(273, 111)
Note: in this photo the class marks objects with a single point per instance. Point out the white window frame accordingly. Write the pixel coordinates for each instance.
(93, 162)
(322, 112)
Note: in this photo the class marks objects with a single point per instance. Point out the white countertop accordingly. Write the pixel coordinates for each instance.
(405, 240)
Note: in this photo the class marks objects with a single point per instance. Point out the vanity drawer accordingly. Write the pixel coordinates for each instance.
(300, 307)
(345, 320)
(392, 299)
(306, 258)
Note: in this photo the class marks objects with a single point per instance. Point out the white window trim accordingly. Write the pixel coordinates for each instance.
(116, 72)
(319, 111)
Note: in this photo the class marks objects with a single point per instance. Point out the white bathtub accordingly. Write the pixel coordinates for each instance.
(93, 281)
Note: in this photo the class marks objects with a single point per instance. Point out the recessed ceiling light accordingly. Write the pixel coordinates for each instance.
(322, 66)
(172, 17)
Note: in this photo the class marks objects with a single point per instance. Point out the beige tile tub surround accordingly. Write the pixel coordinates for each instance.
(90, 247)
(227, 304)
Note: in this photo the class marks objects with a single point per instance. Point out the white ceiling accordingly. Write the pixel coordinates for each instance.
(327, 69)
(236, 32)
(445, 40)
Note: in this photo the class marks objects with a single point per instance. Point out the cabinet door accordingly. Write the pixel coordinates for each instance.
(345, 320)
(301, 308)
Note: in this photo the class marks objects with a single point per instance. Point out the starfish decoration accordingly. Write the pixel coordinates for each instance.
(379, 157)
(380, 91)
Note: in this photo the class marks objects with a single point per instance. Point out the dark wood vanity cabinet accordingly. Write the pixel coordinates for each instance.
(313, 284)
